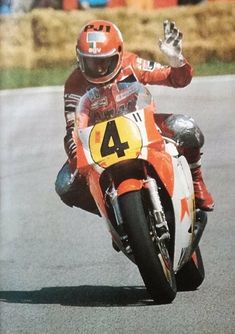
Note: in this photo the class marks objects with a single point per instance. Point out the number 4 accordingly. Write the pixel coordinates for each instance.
(111, 132)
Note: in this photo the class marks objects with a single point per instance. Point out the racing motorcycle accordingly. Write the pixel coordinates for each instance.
(143, 189)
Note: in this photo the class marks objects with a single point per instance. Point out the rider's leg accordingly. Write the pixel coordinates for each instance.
(187, 134)
(75, 194)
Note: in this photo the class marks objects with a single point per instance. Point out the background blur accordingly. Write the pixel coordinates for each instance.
(41, 34)
(26, 5)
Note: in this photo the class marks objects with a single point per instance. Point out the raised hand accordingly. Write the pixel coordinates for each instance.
(171, 45)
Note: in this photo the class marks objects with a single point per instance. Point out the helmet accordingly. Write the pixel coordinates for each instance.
(99, 51)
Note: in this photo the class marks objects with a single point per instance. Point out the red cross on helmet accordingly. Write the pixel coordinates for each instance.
(99, 51)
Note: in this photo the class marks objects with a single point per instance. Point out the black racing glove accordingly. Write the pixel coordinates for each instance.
(69, 144)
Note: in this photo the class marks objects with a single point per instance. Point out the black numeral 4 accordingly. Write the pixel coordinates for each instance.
(111, 132)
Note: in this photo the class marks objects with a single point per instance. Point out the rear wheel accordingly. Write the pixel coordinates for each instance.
(192, 274)
(151, 255)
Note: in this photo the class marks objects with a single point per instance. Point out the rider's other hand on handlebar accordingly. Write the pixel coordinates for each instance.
(171, 45)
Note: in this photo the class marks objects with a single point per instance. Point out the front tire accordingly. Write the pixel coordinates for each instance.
(151, 257)
(192, 274)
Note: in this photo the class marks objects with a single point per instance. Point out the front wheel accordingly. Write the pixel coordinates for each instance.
(151, 256)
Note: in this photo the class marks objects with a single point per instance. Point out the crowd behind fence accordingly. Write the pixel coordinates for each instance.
(10, 6)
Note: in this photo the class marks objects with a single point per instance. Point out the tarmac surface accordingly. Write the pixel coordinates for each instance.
(58, 271)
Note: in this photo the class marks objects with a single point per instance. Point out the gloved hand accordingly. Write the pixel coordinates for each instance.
(171, 45)
(69, 144)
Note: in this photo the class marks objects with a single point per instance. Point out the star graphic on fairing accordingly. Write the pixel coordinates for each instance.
(184, 208)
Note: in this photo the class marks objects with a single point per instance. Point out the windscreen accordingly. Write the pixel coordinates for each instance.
(105, 102)
(132, 97)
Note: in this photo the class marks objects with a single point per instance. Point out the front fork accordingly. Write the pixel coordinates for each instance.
(113, 197)
(161, 227)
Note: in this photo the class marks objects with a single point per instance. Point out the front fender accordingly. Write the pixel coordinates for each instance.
(129, 185)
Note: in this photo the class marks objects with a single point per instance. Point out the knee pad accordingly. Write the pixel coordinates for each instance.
(62, 183)
(184, 130)
(74, 194)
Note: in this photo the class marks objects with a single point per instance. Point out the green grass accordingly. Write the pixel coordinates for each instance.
(19, 78)
(214, 68)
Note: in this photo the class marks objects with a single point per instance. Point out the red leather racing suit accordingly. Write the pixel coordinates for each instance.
(133, 69)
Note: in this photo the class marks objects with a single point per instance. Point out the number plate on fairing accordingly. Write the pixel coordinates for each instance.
(114, 141)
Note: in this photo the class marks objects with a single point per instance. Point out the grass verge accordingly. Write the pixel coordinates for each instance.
(19, 78)
(214, 68)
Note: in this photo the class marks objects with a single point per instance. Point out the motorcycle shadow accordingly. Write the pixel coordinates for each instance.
(84, 295)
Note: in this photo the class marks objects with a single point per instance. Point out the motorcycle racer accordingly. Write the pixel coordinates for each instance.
(102, 60)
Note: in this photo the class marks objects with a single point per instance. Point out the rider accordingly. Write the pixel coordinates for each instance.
(102, 60)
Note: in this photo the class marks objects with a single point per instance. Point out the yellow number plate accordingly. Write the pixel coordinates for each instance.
(115, 140)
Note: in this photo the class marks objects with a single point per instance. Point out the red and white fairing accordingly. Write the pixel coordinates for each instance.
(139, 138)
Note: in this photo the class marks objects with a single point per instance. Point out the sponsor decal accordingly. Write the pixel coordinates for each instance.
(102, 102)
(92, 39)
(147, 65)
(101, 27)
(72, 97)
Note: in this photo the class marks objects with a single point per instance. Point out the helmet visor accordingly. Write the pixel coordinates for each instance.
(98, 67)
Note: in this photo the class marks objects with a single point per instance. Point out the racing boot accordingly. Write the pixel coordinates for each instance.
(203, 199)
(184, 130)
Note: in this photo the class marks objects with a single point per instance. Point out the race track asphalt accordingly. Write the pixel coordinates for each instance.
(58, 271)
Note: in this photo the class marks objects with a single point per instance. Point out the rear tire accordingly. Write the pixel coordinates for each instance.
(153, 260)
(192, 274)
